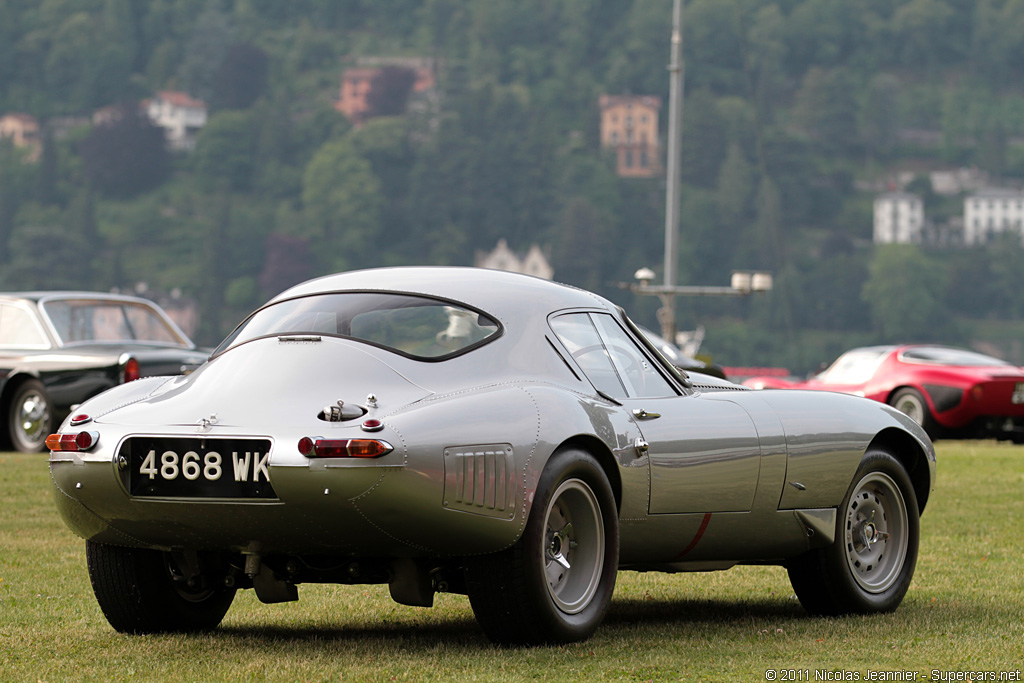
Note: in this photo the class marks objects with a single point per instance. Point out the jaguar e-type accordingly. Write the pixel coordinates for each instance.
(476, 432)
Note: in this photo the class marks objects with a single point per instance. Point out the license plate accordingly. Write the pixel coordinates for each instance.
(1018, 394)
(162, 467)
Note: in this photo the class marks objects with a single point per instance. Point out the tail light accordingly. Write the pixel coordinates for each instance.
(73, 441)
(318, 447)
(130, 370)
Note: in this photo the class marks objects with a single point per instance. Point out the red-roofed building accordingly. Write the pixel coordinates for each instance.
(357, 82)
(179, 114)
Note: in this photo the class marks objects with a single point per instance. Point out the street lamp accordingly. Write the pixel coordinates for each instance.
(742, 283)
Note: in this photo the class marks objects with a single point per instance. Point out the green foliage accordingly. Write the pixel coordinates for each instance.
(904, 290)
(342, 202)
(225, 150)
(126, 155)
(788, 106)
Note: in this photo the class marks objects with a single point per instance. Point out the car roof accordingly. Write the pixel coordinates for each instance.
(498, 293)
(70, 294)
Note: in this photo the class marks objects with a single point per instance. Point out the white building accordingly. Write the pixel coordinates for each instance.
(899, 218)
(502, 258)
(991, 212)
(180, 115)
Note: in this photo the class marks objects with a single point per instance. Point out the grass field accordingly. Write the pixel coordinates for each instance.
(964, 612)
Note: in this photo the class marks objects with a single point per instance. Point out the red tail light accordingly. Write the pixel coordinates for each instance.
(74, 441)
(318, 447)
(131, 370)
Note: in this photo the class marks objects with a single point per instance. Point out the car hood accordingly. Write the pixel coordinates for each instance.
(261, 384)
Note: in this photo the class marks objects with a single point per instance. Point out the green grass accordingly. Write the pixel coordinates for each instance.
(964, 611)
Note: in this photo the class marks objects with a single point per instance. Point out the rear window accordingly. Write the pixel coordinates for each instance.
(944, 355)
(85, 321)
(420, 327)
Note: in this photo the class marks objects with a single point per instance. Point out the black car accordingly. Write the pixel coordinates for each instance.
(58, 349)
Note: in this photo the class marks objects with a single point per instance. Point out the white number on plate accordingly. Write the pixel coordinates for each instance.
(1018, 394)
(210, 467)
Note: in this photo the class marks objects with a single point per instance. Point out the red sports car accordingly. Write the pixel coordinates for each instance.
(949, 391)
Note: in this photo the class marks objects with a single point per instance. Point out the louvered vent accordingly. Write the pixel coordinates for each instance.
(480, 479)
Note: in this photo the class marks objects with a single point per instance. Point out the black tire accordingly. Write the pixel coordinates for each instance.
(911, 403)
(869, 567)
(144, 591)
(554, 585)
(29, 417)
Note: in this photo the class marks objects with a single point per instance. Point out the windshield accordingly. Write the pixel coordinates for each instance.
(419, 327)
(856, 366)
(82, 321)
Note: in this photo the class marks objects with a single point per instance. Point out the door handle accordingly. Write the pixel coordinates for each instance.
(641, 414)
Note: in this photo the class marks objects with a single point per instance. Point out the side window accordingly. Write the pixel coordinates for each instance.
(19, 330)
(609, 357)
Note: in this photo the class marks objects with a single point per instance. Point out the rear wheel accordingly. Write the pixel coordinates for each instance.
(869, 566)
(911, 403)
(555, 583)
(149, 591)
(30, 417)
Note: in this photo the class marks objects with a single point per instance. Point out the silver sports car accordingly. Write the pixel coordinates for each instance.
(476, 432)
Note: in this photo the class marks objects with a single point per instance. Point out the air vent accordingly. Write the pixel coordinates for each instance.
(480, 479)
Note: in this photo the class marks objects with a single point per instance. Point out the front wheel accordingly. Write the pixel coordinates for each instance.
(149, 591)
(555, 583)
(869, 566)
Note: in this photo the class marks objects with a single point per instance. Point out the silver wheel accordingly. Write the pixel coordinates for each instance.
(574, 543)
(910, 405)
(30, 417)
(876, 532)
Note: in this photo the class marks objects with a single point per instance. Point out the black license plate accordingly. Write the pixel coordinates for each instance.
(164, 467)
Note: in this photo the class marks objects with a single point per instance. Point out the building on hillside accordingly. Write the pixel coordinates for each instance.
(180, 115)
(629, 127)
(23, 132)
(899, 218)
(357, 83)
(993, 211)
(502, 258)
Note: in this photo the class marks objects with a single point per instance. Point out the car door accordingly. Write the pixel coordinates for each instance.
(703, 451)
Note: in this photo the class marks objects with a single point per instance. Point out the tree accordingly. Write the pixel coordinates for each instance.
(704, 140)
(225, 149)
(735, 188)
(44, 255)
(125, 156)
(825, 110)
(879, 119)
(583, 245)
(207, 47)
(289, 261)
(342, 204)
(241, 78)
(389, 91)
(903, 291)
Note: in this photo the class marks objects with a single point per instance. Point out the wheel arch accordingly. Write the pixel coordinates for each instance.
(10, 386)
(600, 451)
(919, 389)
(912, 455)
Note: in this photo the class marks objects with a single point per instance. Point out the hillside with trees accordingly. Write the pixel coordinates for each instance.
(796, 113)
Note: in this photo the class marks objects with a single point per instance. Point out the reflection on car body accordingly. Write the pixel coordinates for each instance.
(476, 432)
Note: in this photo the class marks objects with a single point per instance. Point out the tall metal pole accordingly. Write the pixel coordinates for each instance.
(675, 123)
